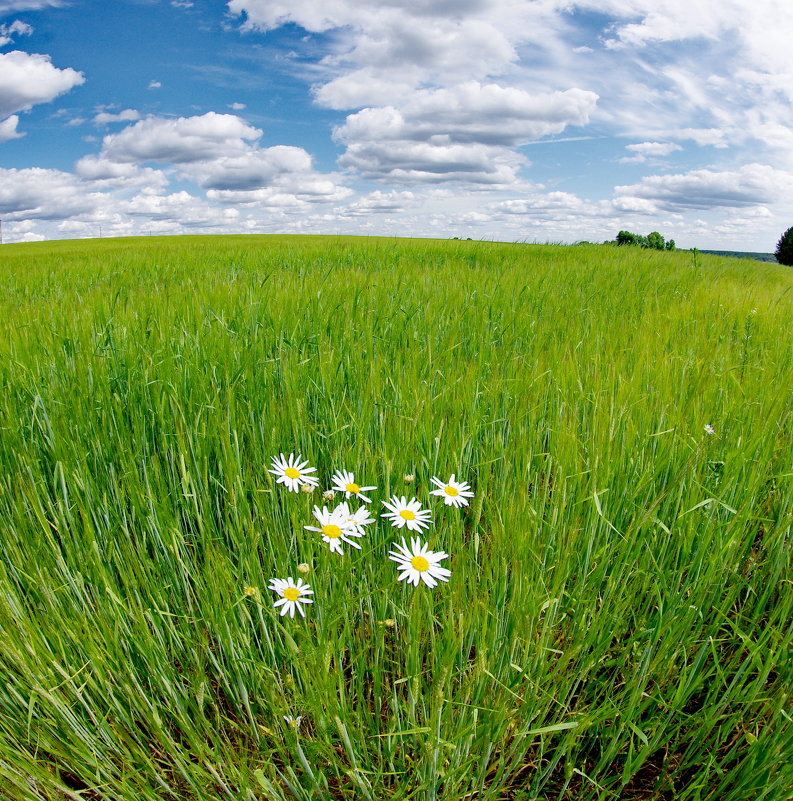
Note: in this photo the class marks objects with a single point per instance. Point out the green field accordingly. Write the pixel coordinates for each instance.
(619, 617)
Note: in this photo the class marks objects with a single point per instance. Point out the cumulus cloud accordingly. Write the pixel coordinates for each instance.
(9, 6)
(180, 141)
(252, 169)
(179, 207)
(378, 203)
(432, 162)
(127, 115)
(709, 61)
(219, 153)
(471, 112)
(653, 148)
(465, 132)
(644, 151)
(37, 193)
(8, 129)
(16, 28)
(751, 185)
(104, 172)
(30, 78)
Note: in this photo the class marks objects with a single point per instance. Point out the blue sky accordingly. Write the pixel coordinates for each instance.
(526, 120)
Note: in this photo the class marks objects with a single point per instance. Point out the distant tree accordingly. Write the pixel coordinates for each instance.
(626, 238)
(654, 241)
(784, 248)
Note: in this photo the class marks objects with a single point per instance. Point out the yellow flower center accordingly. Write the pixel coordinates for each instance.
(334, 532)
(452, 491)
(291, 593)
(420, 563)
(292, 472)
(407, 514)
(354, 488)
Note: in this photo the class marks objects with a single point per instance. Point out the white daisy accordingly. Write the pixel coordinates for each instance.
(344, 481)
(709, 429)
(293, 723)
(292, 472)
(334, 528)
(418, 563)
(454, 493)
(404, 513)
(292, 595)
(356, 521)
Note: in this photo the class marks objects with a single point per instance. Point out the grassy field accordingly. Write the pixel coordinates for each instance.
(619, 617)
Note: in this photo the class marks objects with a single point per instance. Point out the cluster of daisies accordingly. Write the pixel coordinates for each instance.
(343, 526)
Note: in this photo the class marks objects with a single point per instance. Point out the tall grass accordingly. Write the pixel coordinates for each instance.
(619, 618)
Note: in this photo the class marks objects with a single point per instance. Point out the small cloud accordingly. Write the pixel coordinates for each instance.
(16, 28)
(154, 85)
(75, 121)
(583, 49)
(8, 129)
(646, 150)
(237, 106)
(182, 4)
(654, 148)
(127, 115)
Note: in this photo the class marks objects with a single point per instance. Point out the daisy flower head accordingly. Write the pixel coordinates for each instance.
(402, 512)
(709, 429)
(357, 521)
(454, 493)
(419, 563)
(291, 595)
(334, 528)
(344, 481)
(292, 472)
(328, 495)
(293, 723)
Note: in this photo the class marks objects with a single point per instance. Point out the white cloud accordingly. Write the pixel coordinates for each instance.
(378, 203)
(104, 172)
(30, 78)
(645, 151)
(37, 193)
(9, 6)
(653, 148)
(180, 141)
(155, 85)
(464, 133)
(471, 112)
(8, 129)
(252, 169)
(180, 207)
(432, 162)
(16, 28)
(237, 106)
(751, 185)
(127, 115)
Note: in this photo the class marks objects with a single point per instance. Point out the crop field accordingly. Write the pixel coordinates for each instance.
(618, 617)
